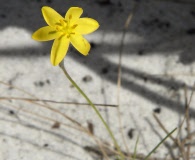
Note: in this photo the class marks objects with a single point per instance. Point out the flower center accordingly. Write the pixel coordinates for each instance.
(65, 27)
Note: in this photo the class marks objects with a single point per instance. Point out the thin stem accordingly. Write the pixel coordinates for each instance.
(128, 20)
(52, 101)
(155, 148)
(135, 149)
(61, 65)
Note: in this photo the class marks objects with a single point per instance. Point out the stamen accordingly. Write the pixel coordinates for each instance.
(74, 26)
(62, 22)
(58, 28)
(63, 34)
(70, 17)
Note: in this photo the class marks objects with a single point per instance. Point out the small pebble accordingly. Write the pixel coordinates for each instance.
(104, 70)
(93, 45)
(56, 125)
(145, 79)
(87, 78)
(190, 31)
(130, 133)
(11, 112)
(140, 52)
(49, 1)
(45, 145)
(3, 16)
(104, 2)
(90, 127)
(157, 110)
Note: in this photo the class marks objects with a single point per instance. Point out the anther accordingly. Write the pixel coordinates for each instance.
(74, 26)
(70, 17)
(62, 21)
(57, 28)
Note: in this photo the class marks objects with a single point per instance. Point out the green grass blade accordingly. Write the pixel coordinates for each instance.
(155, 148)
(135, 149)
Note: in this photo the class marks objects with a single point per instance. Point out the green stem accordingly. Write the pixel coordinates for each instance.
(61, 65)
(155, 148)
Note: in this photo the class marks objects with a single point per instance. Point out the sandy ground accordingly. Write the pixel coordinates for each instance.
(158, 55)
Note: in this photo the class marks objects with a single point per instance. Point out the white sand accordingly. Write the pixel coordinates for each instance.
(157, 60)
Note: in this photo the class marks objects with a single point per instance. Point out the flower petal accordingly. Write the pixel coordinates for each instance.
(59, 50)
(80, 43)
(45, 34)
(86, 25)
(73, 13)
(51, 16)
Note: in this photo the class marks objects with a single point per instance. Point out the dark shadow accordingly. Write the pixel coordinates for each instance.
(174, 23)
(151, 19)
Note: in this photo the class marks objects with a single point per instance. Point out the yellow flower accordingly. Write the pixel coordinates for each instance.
(65, 31)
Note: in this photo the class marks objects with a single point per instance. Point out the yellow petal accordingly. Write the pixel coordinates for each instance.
(51, 16)
(59, 50)
(45, 34)
(86, 25)
(73, 13)
(80, 43)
